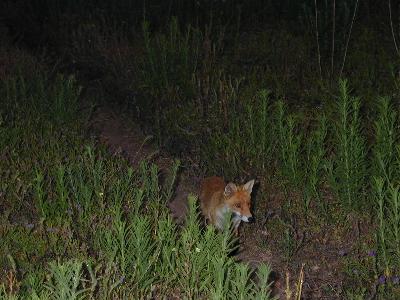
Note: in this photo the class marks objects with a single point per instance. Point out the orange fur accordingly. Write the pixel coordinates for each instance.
(218, 198)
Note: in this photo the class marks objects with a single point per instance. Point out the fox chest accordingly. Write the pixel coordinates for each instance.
(223, 215)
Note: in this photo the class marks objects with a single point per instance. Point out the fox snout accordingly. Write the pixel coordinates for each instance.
(248, 219)
(244, 218)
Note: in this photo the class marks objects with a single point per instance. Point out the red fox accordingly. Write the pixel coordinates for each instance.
(218, 199)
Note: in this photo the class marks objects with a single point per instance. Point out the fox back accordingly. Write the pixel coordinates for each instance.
(218, 199)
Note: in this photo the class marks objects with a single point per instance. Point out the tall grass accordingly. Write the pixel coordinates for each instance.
(246, 137)
(108, 224)
(259, 131)
(289, 145)
(93, 227)
(225, 130)
(58, 101)
(350, 162)
(65, 280)
(386, 138)
(387, 236)
(169, 66)
(386, 193)
(315, 160)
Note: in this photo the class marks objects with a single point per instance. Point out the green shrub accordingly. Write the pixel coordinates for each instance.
(386, 137)
(315, 159)
(350, 161)
(167, 77)
(289, 145)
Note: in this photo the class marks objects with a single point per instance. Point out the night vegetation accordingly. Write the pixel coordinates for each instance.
(302, 95)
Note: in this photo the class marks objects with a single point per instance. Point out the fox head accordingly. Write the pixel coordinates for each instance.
(237, 198)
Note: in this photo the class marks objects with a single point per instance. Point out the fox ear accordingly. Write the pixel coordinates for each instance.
(230, 189)
(249, 186)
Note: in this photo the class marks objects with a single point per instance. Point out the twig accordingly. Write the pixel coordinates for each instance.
(288, 291)
(333, 33)
(391, 27)
(348, 39)
(317, 36)
(300, 282)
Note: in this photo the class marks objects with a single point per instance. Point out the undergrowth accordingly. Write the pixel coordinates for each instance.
(269, 103)
(78, 223)
(323, 159)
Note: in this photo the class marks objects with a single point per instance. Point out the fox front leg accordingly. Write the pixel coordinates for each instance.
(236, 230)
(236, 223)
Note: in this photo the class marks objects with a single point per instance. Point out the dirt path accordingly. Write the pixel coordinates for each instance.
(124, 137)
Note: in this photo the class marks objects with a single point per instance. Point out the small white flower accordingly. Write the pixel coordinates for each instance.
(197, 250)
